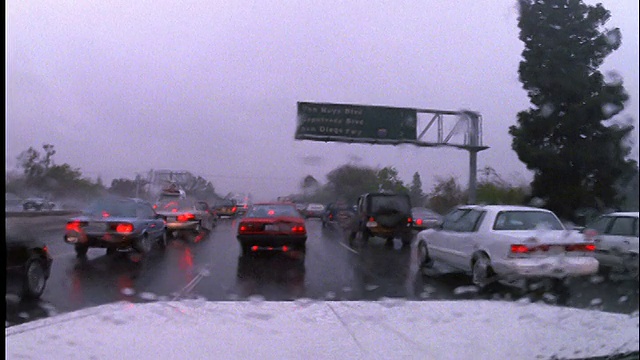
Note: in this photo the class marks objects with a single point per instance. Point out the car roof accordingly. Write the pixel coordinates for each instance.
(624, 213)
(504, 208)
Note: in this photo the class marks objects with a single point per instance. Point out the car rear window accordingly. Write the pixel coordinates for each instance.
(526, 220)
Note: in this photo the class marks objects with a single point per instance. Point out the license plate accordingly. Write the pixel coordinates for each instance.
(93, 228)
(270, 227)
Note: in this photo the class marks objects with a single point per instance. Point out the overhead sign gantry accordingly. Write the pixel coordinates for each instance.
(386, 125)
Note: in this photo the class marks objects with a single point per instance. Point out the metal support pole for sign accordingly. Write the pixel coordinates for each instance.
(473, 169)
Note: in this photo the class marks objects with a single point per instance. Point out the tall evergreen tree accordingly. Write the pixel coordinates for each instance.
(577, 157)
(415, 190)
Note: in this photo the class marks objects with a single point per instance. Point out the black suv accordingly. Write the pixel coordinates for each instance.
(385, 215)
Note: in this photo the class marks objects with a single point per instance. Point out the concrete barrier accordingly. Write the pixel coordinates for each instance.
(41, 213)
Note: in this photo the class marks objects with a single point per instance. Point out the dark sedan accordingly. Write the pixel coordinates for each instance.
(272, 226)
(116, 223)
(424, 218)
(28, 266)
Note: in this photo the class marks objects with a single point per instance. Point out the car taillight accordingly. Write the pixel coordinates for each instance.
(298, 229)
(244, 227)
(581, 247)
(45, 249)
(234, 209)
(285, 248)
(409, 220)
(105, 214)
(419, 221)
(186, 217)
(519, 249)
(73, 226)
(124, 228)
(372, 219)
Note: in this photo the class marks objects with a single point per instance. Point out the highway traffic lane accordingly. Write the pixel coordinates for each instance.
(212, 269)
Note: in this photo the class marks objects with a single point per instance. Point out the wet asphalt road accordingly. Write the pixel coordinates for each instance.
(210, 267)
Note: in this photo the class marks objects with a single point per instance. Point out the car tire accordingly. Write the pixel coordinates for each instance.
(81, 250)
(424, 260)
(163, 241)
(246, 249)
(35, 279)
(481, 272)
(407, 239)
(143, 245)
(111, 251)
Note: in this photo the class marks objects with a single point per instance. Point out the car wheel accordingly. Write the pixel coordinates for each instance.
(631, 265)
(143, 244)
(481, 272)
(246, 249)
(424, 261)
(35, 279)
(81, 250)
(163, 241)
(111, 251)
(364, 235)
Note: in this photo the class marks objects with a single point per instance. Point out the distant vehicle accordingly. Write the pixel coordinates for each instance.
(616, 239)
(272, 226)
(226, 208)
(37, 203)
(28, 266)
(338, 213)
(512, 244)
(385, 215)
(187, 216)
(314, 210)
(243, 202)
(424, 218)
(117, 223)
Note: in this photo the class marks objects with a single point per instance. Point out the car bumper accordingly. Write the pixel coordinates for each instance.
(100, 240)
(183, 225)
(272, 241)
(560, 267)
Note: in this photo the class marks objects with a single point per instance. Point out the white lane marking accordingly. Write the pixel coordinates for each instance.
(348, 248)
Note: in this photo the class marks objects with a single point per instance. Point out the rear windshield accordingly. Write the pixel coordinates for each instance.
(111, 208)
(526, 220)
(263, 211)
(389, 203)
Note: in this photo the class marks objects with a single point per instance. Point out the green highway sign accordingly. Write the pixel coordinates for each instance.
(355, 123)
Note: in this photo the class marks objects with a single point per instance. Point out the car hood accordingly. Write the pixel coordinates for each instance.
(303, 329)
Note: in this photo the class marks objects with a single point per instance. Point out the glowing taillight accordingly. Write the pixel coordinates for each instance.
(174, 210)
(155, 206)
(234, 209)
(419, 221)
(254, 248)
(285, 248)
(298, 229)
(409, 220)
(73, 226)
(105, 214)
(371, 219)
(45, 249)
(580, 247)
(519, 249)
(186, 217)
(124, 228)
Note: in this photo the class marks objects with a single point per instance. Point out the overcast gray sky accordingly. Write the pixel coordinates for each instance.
(121, 87)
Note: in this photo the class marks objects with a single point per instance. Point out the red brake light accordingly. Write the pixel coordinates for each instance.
(419, 221)
(581, 247)
(186, 217)
(519, 249)
(285, 248)
(254, 248)
(73, 225)
(105, 214)
(234, 209)
(409, 220)
(45, 249)
(124, 228)
(372, 219)
(298, 229)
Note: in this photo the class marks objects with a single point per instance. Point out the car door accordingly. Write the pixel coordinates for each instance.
(153, 224)
(622, 235)
(463, 242)
(439, 242)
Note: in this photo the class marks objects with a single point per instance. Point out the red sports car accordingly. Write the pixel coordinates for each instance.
(272, 226)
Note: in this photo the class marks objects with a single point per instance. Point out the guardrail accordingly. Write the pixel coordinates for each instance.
(41, 213)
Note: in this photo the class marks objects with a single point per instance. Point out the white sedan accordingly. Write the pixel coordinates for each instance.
(616, 239)
(507, 243)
